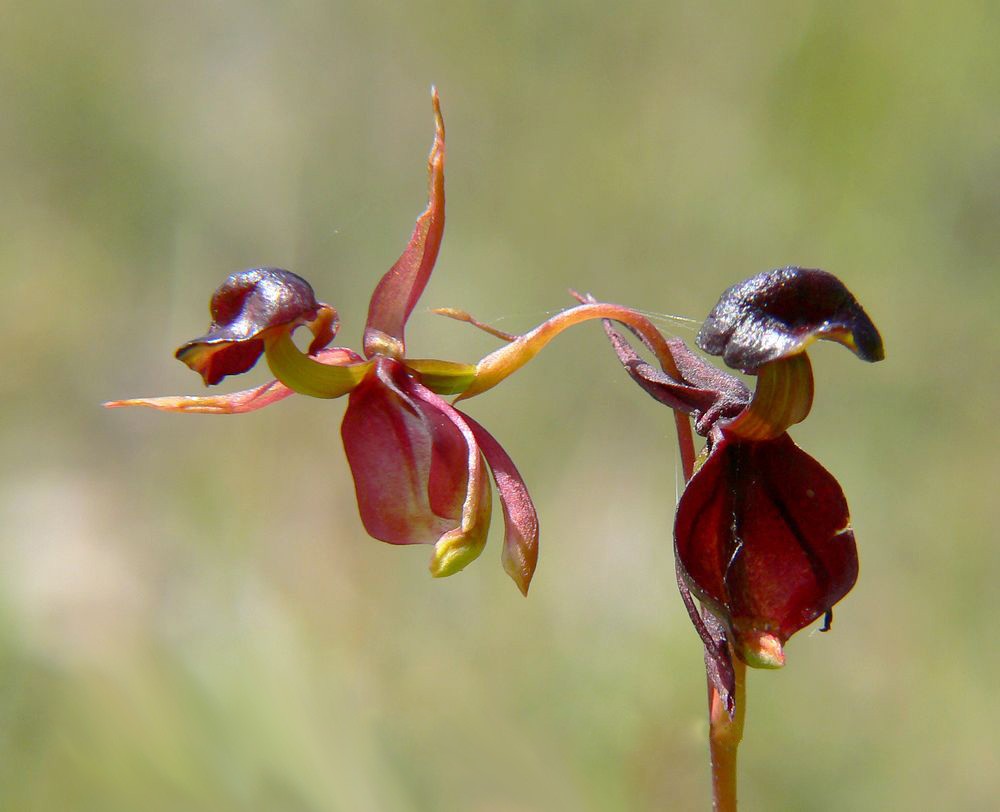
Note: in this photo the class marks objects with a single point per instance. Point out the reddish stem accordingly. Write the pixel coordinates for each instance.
(724, 739)
(725, 734)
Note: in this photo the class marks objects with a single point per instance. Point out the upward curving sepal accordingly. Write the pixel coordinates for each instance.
(397, 292)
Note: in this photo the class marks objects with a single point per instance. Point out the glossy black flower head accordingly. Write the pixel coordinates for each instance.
(780, 313)
(248, 305)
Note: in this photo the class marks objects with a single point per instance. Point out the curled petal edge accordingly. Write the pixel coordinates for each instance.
(520, 548)
(458, 548)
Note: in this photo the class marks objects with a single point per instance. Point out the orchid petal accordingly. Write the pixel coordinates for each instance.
(520, 549)
(442, 377)
(782, 398)
(763, 536)
(418, 472)
(307, 376)
(703, 390)
(779, 313)
(397, 292)
(246, 308)
(248, 400)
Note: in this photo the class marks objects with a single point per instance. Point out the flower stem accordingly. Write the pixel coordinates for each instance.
(724, 734)
(724, 739)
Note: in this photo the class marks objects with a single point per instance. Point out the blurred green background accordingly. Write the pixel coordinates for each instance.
(191, 615)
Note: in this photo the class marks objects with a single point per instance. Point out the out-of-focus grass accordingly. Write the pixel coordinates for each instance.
(190, 613)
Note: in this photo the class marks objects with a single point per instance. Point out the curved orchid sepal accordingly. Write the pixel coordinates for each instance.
(247, 309)
(508, 359)
(399, 289)
(306, 375)
(520, 548)
(442, 377)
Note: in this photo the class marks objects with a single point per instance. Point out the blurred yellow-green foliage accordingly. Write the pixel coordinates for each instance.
(191, 615)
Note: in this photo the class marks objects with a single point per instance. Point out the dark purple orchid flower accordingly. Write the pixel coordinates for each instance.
(419, 465)
(762, 533)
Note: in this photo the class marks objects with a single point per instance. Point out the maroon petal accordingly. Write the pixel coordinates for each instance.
(418, 472)
(763, 536)
(704, 391)
(398, 291)
(246, 306)
(520, 548)
(779, 313)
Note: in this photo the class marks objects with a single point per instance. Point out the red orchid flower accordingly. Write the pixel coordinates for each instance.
(419, 465)
(762, 533)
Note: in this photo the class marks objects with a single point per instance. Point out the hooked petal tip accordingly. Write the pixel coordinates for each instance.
(779, 313)
(247, 305)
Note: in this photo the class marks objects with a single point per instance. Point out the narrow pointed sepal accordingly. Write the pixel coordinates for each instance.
(400, 288)
(248, 400)
(307, 375)
(520, 547)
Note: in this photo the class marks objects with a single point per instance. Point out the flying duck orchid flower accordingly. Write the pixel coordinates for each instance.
(419, 465)
(762, 534)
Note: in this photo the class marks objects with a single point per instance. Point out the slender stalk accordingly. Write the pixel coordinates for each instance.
(725, 734)
(685, 442)
(724, 739)
(503, 362)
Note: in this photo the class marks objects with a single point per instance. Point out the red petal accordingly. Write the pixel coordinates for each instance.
(409, 459)
(520, 548)
(398, 291)
(763, 534)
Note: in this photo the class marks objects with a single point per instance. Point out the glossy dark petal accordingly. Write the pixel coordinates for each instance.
(763, 536)
(779, 313)
(246, 305)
